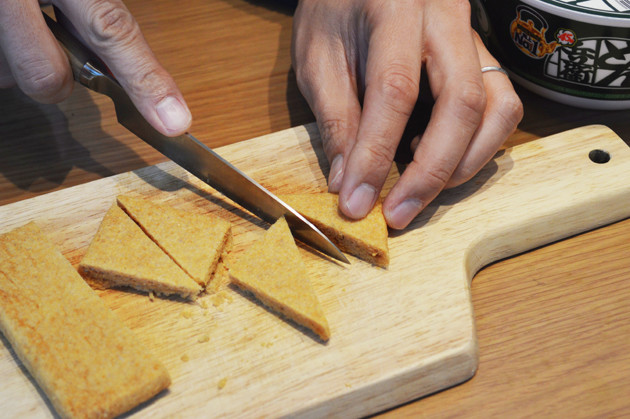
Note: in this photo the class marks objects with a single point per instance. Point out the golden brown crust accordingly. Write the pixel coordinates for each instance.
(273, 270)
(83, 357)
(120, 254)
(221, 276)
(365, 238)
(194, 241)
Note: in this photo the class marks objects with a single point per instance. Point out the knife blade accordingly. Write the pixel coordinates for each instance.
(185, 150)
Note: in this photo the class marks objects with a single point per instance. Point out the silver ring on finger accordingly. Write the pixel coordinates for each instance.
(494, 68)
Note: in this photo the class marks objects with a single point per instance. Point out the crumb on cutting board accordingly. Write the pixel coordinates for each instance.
(220, 298)
(222, 382)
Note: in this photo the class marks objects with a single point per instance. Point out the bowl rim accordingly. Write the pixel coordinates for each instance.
(592, 16)
(571, 100)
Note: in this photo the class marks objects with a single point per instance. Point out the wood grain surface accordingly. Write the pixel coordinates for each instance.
(396, 334)
(552, 324)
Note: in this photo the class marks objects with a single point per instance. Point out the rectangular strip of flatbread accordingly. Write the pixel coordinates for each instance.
(82, 356)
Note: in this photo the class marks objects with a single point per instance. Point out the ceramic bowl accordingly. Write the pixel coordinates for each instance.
(575, 52)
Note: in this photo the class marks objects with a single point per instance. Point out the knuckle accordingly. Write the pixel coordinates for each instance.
(472, 96)
(306, 68)
(303, 75)
(471, 101)
(150, 79)
(110, 22)
(399, 85)
(510, 108)
(333, 131)
(43, 84)
(379, 154)
(437, 177)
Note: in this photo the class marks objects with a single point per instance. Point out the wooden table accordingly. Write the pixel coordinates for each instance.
(553, 324)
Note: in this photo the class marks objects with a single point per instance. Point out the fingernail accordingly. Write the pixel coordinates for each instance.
(404, 213)
(361, 201)
(335, 176)
(174, 114)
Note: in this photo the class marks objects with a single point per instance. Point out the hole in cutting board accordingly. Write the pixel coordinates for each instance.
(599, 156)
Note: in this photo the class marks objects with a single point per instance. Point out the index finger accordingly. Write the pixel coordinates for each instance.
(392, 83)
(454, 73)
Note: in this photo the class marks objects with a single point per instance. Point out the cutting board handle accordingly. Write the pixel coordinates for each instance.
(548, 190)
(531, 195)
(527, 196)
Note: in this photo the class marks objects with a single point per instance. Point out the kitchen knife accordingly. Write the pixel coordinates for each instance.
(186, 150)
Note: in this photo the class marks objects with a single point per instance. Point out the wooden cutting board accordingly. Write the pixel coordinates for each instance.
(397, 334)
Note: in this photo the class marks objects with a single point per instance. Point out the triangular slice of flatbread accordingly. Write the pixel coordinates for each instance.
(365, 238)
(122, 255)
(194, 241)
(273, 270)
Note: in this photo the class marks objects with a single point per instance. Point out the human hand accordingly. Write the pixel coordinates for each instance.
(31, 57)
(358, 64)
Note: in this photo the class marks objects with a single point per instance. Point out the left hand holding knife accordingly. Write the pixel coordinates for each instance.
(31, 57)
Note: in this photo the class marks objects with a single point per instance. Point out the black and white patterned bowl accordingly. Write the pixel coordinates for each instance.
(575, 52)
